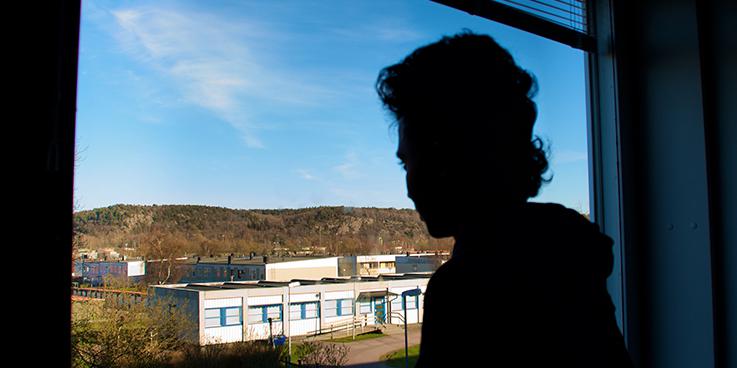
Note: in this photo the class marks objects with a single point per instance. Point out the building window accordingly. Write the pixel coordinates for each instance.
(339, 307)
(299, 311)
(262, 313)
(365, 307)
(412, 302)
(223, 317)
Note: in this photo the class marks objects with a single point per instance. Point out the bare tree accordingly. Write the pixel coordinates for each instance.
(107, 334)
(162, 250)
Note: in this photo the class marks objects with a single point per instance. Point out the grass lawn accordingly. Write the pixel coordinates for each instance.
(359, 337)
(396, 359)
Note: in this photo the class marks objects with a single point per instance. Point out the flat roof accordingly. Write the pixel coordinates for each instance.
(208, 286)
(245, 260)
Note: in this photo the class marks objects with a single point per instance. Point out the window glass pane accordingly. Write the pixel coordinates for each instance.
(295, 311)
(212, 322)
(230, 312)
(411, 303)
(255, 315)
(356, 157)
(312, 310)
(233, 320)
(331, 308)
(346, 307)
(273, 312)
(212, 313)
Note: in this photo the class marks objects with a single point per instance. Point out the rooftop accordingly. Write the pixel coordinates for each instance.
(209, 286)
(246, 260)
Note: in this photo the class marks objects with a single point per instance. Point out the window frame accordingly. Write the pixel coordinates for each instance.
(222, 317)
(339, 307)
(264, 313)
(303, 310)
(65, 22)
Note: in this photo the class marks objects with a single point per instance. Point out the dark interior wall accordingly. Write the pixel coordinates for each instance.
(720, 66)
(672, 294)
(51, 35)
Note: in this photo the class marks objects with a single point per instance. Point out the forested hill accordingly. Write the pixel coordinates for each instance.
(214, 230)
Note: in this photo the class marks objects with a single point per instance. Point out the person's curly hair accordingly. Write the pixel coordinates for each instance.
(466, 91)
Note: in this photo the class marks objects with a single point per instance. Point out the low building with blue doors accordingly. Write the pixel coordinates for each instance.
(254, 310)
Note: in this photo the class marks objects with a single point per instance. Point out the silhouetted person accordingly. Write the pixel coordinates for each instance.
(526, 285)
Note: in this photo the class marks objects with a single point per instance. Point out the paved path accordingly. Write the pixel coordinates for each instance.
(368, 353)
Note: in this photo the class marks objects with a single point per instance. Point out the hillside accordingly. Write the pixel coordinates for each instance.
(213, 230)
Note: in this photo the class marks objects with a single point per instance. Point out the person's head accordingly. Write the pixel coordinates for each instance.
(464, 113)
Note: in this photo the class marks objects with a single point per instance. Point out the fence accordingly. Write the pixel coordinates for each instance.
(116, 296)
(349, 327)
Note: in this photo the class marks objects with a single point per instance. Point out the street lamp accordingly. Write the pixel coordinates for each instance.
(405, 294)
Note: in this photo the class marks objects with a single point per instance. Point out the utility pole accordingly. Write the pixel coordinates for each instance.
(271, 334)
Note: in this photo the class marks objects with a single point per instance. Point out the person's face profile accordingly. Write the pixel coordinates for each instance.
(428, 186)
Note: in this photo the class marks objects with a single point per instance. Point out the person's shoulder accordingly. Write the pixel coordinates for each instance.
(558, 221)
(554, 212)
(446, 271)
(446, 276)
(575, 238)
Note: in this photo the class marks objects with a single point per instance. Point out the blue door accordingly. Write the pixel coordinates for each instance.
(379, 303)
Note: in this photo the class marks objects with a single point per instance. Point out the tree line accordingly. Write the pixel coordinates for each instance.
(179, 230)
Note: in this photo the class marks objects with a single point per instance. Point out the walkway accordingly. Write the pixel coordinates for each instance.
(368, 353)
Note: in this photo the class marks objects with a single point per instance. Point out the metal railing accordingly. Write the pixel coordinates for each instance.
(349, 326)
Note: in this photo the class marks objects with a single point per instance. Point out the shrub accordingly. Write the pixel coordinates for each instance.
(108, 334)
(239, 354)
(320, 354)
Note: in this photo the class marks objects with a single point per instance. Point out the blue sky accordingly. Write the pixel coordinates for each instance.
(271, 104)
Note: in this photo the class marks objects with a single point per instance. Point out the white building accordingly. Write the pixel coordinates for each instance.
(373, 265)
(370, 265)
(239, 311)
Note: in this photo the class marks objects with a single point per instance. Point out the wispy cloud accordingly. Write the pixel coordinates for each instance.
(349, 168)
(305, 174)
(384, 30)
(217, 64)
(567, 157)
